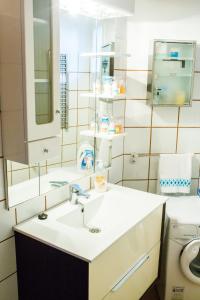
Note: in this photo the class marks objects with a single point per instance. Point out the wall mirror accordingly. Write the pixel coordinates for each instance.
(89, 84)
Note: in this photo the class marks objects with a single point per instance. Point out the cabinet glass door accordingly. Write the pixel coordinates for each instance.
(43, 61)
(173, 73)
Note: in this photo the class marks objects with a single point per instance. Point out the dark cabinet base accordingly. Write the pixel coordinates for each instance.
(45, 273)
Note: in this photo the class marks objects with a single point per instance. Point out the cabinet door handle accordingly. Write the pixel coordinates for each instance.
(130, 272)
(45, 150)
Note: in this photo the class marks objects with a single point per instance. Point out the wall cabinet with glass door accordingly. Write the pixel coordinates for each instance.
(30, 80)
(173, 73)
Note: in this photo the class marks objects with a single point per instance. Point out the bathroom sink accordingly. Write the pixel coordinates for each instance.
(85, 216)
(105, 212)
(110, 214)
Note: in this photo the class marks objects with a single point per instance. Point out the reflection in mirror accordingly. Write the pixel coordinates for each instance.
(92, 86)
(22, 182)
(76, 159)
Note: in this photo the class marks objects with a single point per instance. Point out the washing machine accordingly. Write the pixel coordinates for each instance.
(182, 249)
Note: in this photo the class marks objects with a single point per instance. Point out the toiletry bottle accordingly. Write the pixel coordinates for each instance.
(107, 86)
(104, 124)
(100, 178)
(122, 88)
(85, 157)
(119, 128)
(115, 88)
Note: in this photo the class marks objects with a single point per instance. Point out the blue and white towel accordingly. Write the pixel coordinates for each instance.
(175, 172)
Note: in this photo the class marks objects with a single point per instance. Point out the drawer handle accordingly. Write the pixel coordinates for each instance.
(45, 150)
(130, 272)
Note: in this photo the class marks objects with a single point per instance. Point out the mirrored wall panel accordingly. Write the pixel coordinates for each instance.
(173, 73)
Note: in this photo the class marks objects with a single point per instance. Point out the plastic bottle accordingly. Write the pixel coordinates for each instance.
(122, 88)
(85, 157)
(104, 124)
(100, 178)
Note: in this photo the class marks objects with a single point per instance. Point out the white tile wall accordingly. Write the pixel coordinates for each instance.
(73, 99)
(7, 221)
(115, 174)
(137, 170)
(188, 140)
(196, 92)
(165, 116)
(8, 288)
(137, 140)
(137, 85)
(138, 113)
(190, 116)
(8, 258)
(69, 135)
(169, 132)
(136, 184)
(30, 208)
(163, 140)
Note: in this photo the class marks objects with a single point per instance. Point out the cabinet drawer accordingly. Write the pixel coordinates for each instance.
(112, 264)
(138, 279)
(43, 149)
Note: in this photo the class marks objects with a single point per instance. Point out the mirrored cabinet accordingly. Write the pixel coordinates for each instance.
(66, 77)
(30, 80)
(173, 73)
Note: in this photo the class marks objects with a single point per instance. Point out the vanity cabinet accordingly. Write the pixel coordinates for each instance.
(29, 79)
(125, 270)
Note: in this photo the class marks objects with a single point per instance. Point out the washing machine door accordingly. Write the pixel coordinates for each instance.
(190, 261)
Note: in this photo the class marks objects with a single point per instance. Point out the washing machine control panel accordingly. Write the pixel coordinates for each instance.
(183, 231)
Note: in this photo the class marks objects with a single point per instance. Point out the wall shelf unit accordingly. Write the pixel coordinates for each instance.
(105, 54)
(104, 96)
(99, 135)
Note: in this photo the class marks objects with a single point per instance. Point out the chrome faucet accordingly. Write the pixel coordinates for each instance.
(77, 191)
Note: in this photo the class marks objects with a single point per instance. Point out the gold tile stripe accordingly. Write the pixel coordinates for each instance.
(150, 144)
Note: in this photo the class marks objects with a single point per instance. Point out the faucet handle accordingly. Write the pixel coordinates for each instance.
(76, 188)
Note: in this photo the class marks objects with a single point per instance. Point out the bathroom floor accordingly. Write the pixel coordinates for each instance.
(151, 295)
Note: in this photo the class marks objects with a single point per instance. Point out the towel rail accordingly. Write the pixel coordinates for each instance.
(134, 156)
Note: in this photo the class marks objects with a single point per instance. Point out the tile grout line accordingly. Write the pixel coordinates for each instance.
(125, 107)
(10, 237)
(8, 277)
(177, 131)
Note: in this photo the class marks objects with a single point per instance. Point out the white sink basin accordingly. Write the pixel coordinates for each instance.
(104, 212)
(85, 216)
(113, 213)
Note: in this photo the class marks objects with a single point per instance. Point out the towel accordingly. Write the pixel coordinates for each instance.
(175, 172)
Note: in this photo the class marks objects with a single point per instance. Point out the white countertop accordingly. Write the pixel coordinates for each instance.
(122, 208)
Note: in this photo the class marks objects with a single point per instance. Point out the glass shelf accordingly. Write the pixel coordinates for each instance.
(99, 135)
(105, 54)
(104, 96)
(173, 75)
(172, 59)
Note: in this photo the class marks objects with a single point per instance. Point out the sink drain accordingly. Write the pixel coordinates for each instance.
(94, 230)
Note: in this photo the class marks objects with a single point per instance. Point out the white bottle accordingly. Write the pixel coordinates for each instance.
(100, 178)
